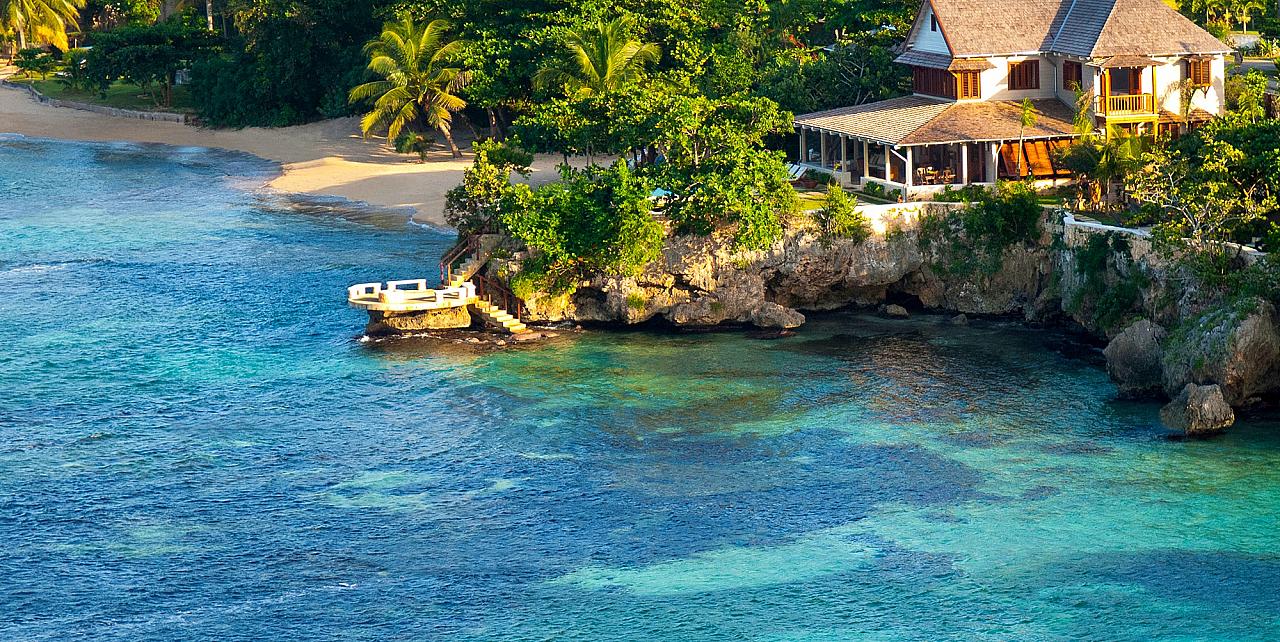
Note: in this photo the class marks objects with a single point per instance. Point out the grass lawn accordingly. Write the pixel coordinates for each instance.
(119, 95)
(811, 200)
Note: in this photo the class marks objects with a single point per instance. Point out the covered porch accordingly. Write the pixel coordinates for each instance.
(916, 145)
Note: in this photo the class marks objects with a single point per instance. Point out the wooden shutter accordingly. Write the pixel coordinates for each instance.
(1072, 75)
(1200, 72)
(968, 85)
(1024, 75)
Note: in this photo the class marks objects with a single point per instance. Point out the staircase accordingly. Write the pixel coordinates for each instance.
(496, 316)
(493, 301)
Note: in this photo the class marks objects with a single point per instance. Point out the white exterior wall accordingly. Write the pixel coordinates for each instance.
(1174, 70)
(1088, 80)
(995, 82)
(926, 40)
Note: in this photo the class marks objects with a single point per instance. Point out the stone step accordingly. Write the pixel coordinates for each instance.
(517, 328)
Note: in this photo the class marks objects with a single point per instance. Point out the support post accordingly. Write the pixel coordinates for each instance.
(822, 149)
(993, 169)
(804, 147)
(909, 179)
(866, 160)
(844, 154)
(888, 163)
(964, 163)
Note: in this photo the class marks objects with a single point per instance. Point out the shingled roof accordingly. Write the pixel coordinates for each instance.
(918, 120)
(1085, 28)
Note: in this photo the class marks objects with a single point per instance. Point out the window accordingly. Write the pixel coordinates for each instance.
(1200, 72)
(933, 82)
(969, 84)
(933, 22)
(1072, 75)
(1024, 75)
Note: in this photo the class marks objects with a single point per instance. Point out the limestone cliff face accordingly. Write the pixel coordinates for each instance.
(1099, 279)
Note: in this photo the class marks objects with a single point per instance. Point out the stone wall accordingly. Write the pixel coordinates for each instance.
(159, 116)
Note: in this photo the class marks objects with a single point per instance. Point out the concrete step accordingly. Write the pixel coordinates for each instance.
(517, 328)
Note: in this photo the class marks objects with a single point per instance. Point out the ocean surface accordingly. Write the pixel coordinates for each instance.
(195, 444)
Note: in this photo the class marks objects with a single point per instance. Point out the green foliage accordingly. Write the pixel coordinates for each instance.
(594, 221)
(291, 61)
(419, 83)
(76, 70)
(859, 68)
(34, 61)
(976, 237)
(839, 217)
(148, 56)
(1111, 288)
(414, 143)
(966, 194)
(636, 301)
(598, 58)
(1245, 94)
(476, 203)
(39, 21)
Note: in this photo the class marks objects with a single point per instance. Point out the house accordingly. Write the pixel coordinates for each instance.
(1137, 65)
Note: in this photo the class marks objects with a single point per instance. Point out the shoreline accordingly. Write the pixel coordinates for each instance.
(326, 158)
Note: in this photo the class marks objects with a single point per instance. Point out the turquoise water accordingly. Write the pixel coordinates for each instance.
(194, 445)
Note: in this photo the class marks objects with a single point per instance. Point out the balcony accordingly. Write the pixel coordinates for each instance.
(1128, 105)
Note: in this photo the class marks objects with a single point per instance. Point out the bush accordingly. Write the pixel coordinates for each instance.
(966, 194)
(839, 216)
(976, 237)
(34, 60)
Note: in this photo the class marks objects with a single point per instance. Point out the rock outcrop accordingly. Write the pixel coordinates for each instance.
(1135, 360)
(383, 323)
(1198, 411)
(1235, 347)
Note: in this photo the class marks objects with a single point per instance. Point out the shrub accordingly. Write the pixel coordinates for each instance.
(839, 216)
(977, 236)
(34, 60)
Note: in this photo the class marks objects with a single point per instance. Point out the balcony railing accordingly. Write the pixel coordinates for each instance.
(1129, 104)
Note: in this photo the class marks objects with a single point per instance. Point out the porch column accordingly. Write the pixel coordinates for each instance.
(866, 159)
(822, 149)
(804, 147)
(888, 163)
(844, 154)
(909, 179)
(964, 163)
(993, 168)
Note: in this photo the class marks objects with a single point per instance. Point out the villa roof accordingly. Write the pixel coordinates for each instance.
(943, 61)
(919, 120)
(1083, 28)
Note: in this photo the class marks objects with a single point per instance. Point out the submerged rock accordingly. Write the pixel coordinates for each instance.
(1135, 359)
(1198, 411)
(959, 319)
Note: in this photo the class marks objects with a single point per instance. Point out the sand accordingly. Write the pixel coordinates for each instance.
(325, 158)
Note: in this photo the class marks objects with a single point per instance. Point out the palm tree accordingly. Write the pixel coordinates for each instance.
(596, 59)
(1026, 119)
(1243, 9)
(419, 84)
(40, 19)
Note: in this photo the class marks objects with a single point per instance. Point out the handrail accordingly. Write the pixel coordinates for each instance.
(467, 245)
(1129, 104)
(496, 293)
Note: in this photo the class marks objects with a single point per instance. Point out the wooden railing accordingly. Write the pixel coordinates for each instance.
(467, 246)
(496, 293)
(1129, 104)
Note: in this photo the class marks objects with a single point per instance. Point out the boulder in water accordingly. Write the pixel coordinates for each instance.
(894, 311)
(1198, 411)
(1135, 359)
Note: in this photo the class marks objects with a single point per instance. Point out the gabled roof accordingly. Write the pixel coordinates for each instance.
(917, 120)
(1084, 28)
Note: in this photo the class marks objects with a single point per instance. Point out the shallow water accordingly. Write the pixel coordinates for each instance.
(195, 445)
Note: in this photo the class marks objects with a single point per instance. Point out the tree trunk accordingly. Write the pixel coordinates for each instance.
(448, 136)
(208, 10)
(22, 39)
(493, 123)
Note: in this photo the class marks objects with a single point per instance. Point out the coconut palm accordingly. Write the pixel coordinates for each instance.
(596, 59)
(1243, 10)
(420, 84)
(42, 20)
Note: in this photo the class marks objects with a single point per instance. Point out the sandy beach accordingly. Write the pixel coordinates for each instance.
(324, 158)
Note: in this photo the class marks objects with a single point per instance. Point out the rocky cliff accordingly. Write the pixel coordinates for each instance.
(1104, 280)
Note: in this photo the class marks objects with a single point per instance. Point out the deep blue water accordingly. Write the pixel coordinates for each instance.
(194, 445)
